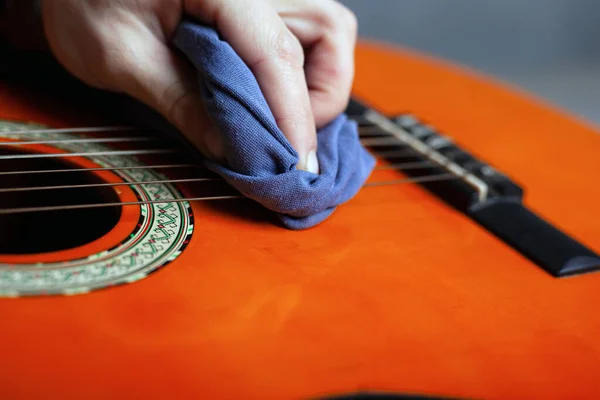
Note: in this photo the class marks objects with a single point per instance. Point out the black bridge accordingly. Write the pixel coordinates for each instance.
(479, 191)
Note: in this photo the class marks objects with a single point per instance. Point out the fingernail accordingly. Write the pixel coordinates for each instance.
(312, 163)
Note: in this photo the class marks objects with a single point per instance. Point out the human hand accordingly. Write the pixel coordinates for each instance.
(301, 51)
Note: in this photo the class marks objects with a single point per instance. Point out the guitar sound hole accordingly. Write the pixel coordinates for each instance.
(46, 231)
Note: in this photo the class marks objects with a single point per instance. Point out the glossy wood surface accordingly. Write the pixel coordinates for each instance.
(395, 292)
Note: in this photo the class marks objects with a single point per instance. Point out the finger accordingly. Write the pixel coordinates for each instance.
(163, 81)
(122, 49)
(276, 58)
(328, 31)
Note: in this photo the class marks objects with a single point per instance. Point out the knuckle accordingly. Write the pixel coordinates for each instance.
(339, 18)
(295, 121)
(348, 19)
(287, 48)
(108, 68)
(328, 17)
(294, 118)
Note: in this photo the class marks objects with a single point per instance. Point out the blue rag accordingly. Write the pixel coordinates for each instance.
(261, 161)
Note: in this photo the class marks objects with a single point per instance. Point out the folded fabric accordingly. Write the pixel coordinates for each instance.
(261, 161)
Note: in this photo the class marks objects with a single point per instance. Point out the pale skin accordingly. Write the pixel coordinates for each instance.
(301, 52)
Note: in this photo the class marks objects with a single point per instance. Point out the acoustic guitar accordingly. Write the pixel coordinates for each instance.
(467, 266)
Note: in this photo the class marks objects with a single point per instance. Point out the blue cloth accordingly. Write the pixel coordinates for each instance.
(262, 163)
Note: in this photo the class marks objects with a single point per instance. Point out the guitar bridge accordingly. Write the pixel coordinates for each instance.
(478, 190)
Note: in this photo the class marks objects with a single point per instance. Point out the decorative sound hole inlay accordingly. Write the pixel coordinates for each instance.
(160, 236)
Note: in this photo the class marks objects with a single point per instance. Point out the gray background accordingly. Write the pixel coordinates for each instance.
(548, 47)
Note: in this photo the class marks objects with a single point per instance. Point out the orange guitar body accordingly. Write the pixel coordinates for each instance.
(396, 292)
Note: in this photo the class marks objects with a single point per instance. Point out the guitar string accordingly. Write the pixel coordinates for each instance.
(76, 130)
(87, 154)
(96, 129)
(124, 128)
(194, 166)
(367, 130)
(400, 166)
(91, 140)
(111, 184)
(423, 179)
(104, 129)
(110, 169)
(381, 141)
(372, 142)
(363, 131)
